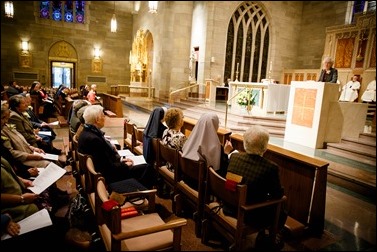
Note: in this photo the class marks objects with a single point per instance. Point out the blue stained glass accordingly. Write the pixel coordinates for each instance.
(56, 11)
(68, 11)
(44, 9)
(74, 11)
(80, 11)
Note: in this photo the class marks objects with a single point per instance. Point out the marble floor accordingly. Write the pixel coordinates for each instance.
(350, 223)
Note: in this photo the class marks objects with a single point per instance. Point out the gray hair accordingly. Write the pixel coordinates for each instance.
(328, 59)
(255, 140)
(91, 113)
(15, 101)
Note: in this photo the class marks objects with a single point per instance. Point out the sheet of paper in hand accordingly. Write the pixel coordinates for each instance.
(50, 175)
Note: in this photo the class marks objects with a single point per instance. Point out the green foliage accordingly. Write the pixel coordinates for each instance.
(246, 97)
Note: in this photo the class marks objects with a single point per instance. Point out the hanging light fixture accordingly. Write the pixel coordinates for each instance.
(113, 27)
(153, 6)
(8, 9)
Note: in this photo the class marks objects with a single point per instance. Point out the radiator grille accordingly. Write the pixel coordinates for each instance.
(96, 79)
(25, 76)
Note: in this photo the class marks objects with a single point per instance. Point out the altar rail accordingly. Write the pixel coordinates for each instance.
(112, 103)
(126, 89)
(304, 180)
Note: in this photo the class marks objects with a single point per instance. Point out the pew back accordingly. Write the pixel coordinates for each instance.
(112, 103)
(304, 180)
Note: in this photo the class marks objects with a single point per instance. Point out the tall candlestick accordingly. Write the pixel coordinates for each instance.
(271, 66)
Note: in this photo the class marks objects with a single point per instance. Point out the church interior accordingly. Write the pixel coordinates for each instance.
(250, 62)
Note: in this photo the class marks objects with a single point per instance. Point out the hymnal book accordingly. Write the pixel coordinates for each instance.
(125, 153)
(50, 175)
(35, 221)
(139, 159)
(46, 133)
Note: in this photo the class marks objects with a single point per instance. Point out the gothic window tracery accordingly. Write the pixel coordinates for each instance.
(247, 44)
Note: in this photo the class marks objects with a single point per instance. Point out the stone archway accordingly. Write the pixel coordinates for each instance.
(63, 52)
(141, 57)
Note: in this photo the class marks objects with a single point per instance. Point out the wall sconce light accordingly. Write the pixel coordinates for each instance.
(153, 6)
(25, 57)
(113, 25)
(136, 7)
(213, 59)
(25, 46)
(8, 9)
(97, 53)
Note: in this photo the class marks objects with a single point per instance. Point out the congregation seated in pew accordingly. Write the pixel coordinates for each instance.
(106, 159)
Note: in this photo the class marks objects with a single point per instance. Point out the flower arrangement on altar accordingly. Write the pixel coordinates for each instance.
(246, 98)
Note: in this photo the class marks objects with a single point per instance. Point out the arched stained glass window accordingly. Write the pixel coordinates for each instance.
(66, 11)
(45, 9)
(56, 10)
(80, 11)
(247, 44)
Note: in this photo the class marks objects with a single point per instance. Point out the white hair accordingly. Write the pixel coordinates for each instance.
(328, 60)
(255, 140)
(91, 113)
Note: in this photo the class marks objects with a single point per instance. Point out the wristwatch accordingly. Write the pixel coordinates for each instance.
(22, 199)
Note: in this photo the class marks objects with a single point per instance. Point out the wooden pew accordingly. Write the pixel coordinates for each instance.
(36, 104)
(112, 104)
(304, 180)
(189, 123)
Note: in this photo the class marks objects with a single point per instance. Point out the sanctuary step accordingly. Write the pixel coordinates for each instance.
(237, 121)
(362, 149)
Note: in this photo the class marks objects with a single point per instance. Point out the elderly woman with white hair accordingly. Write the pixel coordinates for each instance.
(328, 72)
(105, 157)
(260, 175)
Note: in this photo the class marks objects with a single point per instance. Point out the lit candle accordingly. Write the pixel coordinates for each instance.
(237, 66)
(271, 66)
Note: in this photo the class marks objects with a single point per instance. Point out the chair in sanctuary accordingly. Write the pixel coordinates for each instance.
(144, 232)
(233, 229)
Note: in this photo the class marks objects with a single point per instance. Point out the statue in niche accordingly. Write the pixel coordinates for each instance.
(139, 57)
(192, 66)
